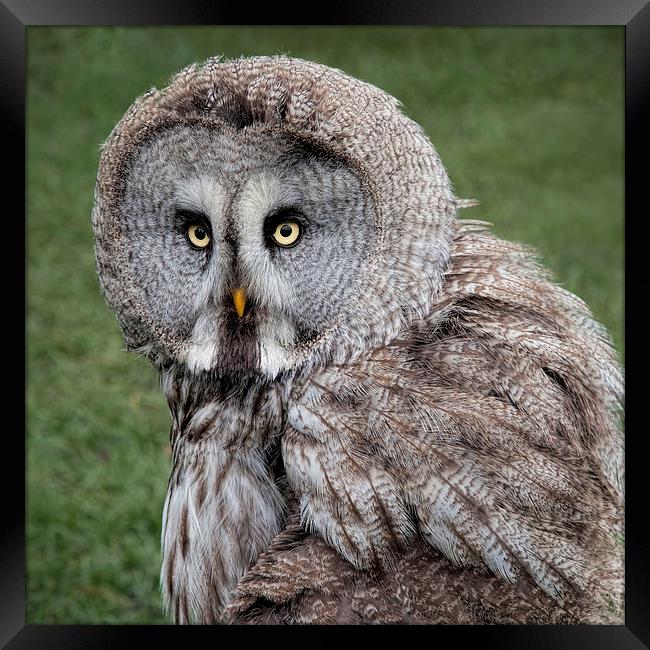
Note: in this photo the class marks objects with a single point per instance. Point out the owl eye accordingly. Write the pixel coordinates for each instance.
(287, 233)
(198, 236)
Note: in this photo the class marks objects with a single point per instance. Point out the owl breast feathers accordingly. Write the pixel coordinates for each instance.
(380, 412)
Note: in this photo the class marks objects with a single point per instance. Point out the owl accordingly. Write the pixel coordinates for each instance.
(380, 412)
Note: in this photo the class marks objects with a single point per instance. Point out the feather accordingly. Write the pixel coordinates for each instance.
(490, 425)
(418, 426)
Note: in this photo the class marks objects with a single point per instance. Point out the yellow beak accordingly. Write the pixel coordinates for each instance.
(239, 298)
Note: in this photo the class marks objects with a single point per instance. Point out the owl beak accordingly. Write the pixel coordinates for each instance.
(239, 299)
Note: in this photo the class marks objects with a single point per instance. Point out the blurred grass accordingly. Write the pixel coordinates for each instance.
(527, 120)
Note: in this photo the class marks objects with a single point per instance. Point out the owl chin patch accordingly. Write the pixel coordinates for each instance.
(258, 343)
(235, 349)
(240, 351)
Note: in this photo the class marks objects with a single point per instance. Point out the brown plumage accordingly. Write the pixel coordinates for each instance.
(406, 424)
(507, 398)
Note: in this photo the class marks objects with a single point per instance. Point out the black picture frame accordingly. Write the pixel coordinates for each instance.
(634, 15)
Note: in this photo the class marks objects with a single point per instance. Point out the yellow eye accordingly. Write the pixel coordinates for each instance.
(287, 233)
(198, 236)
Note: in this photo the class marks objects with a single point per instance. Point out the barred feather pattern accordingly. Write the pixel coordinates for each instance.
(223, 504)
(302, 580)
(480, 447)
(489, 428)
(444, 447)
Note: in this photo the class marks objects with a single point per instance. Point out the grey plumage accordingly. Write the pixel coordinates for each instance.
(408, 410)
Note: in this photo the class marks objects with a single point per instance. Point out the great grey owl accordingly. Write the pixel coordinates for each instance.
(380, 412)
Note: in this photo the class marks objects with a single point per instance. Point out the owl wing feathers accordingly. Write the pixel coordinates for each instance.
(488, 430)
(301, 579)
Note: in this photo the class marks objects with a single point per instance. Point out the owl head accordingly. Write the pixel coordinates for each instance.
(264, 214)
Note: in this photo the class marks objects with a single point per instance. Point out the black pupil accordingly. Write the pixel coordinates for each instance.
(286, 230)
(199, 233)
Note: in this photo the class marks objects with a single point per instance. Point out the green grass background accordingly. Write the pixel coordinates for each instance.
(527, 120)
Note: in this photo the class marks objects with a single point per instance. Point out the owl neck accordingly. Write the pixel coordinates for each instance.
(224, 504)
